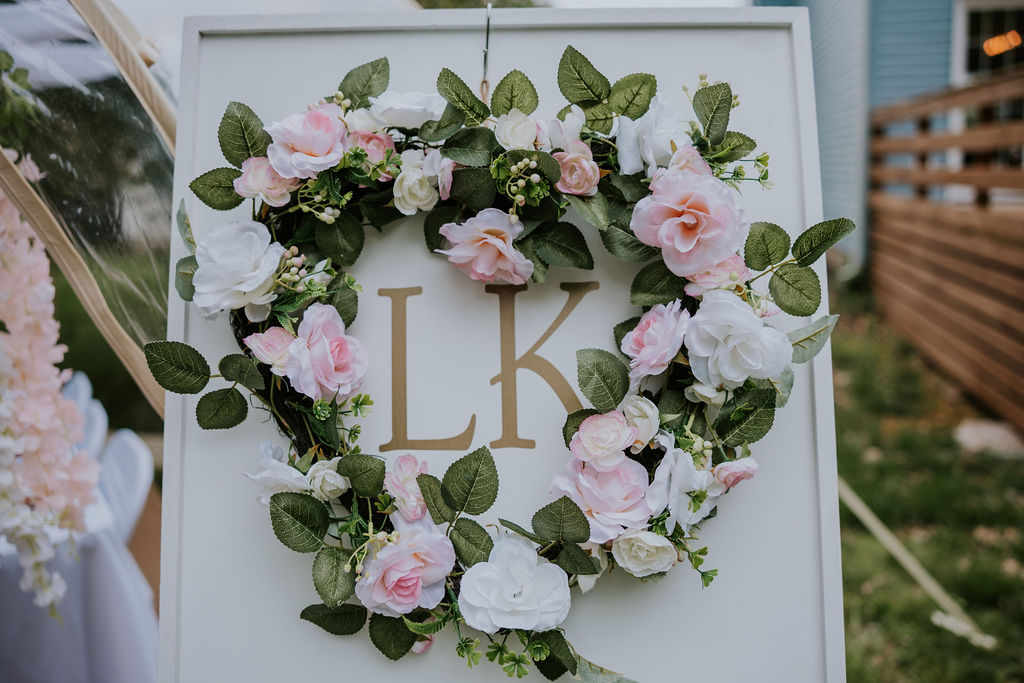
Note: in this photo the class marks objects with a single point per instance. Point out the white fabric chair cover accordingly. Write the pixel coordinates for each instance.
(79, 390)
(126, 475)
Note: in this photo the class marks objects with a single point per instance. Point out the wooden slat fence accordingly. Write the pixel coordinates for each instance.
(948, 264)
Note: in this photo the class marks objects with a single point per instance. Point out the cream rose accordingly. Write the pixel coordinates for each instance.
(515, 130)
(237, 263)
(407, 110)
(642, 553)
(324, 480)
(413, 189)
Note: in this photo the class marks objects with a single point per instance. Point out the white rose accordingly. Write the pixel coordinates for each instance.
(514, 588)
(237, 263)
(675, 478)
(407, 110)
(318, 275)
(555, 134)
(642, 414)
(515, 130)
(277, 475)
(586, 582)
(325, 481)
(642, 553)
(363, 120)
(413, 189)
(728, 343)
(705, 393)
(648, 140)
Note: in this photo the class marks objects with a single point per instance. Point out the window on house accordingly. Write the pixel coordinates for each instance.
(982, 24)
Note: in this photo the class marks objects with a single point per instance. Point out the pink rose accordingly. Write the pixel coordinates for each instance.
(407, 573)
(580, 174)
(305, 144)
(271, 347)
(656, 340)
(693, 219)
(612, 501)
(601, 440)
(482, 248)
(733, 472)
(400, 482)
(687, 158)
(377, 148)
(323, 362)
(423, 644)
(260, 179)
(731, 274)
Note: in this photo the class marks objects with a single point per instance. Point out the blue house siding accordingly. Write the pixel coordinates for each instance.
(910, 48)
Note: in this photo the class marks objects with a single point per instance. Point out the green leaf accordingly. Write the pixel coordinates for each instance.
(471, 147)
(575, 560)
(547, 165)
(474, 187)
(216, 188)
(632, 187)
(183, 273)
(588, 672)
(540, 267)
(391, 636)
(810, 339)
(6, 61)
(599, 117)
(671, 407)
(424, 628)
(342, 240)
(631, 95)
(177, 367)
(430, 487)
(656, 284)
(560, 656)
(781, 385)
(333, 583)
(746, 417)
(455, 90)
(241, 135)
(712, 104)
(602, 377)
(471, 541)
(378, 209)
(563, 245)
(344, 620)
(221, 409)
(620, 331)
(438, 216)
(767, 244)
(237, 367)
(734, 147)
(622, 243)
(578, 80)
(450, 122)
(521, 531)
(594, 210)
(514, 91)
(185, 228)
(795, 289)
(817, 239)
(366, 81)
(365, 472)
(470, 485)
(573, 422)
(561, 520)
(299, 520)
(345, 299)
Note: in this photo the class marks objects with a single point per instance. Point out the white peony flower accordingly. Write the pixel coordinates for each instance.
(407, 110)
(363, 120)
(514, 588)
(642, 414)
(728, 343)
(325, 481)
(237, 263)
(413, 189)
(515, 130)
(277, 475)
(675, 478)
(642, 553)
(555, 134)
(648, 140)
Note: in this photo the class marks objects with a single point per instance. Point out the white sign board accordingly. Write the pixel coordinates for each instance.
(231, 593)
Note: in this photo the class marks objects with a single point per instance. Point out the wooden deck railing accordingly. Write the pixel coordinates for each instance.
(948, 264)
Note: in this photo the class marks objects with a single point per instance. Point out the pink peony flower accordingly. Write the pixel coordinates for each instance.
(260, 179)
(693, 219)
(656, 340)
(323, 362)
(601, 440)
(376, 146)
(612, 501)
(580, 174)
(731, 273)
(407, 573)
(688, 159)
(733, 472)
(400, 482)
(305, 144)
(271, 347)
(482, 248)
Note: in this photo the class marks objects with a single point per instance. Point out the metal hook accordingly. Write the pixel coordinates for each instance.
(485, 86)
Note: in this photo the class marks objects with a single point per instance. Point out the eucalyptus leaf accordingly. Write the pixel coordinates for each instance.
(216, 188)
(631, 95)
(810, 339)
(333, 577)
(746, 417)
(474, 187)
(365, 472)
(299, 520)
(342, 240)
(561, 520)
(767, 244)
(578, 80)
(713, 104)
(183, 272)
(470, 484)
(602, 377)
(237, 367)
(344, 620)
(588, 672)
(366, 81)
(795, 289)
(514, 91)
(471, 541)
(177, 367)
(241, 135)
(455, 90)
(817, 239)
(656, 284)
(781, 385)
(221, 409)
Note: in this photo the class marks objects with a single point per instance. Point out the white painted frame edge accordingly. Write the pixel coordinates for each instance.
(795, 20)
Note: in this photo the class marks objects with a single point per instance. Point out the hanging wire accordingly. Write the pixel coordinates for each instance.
(485, 86)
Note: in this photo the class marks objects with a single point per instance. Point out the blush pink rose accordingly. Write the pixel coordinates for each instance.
(687, 158)
(482, 248)
(259, 179)
(400, 483)
(731, 273)
(271, 347)
(612, 501)
(733, 472)
(305, 144)
(656, 340)
(580, 173)
(376, 146)
(692, 218)
(421, 646)
(407, 573)
(323, 362)
(601, 440)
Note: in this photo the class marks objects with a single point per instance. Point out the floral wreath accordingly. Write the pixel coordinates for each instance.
(669, 431)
